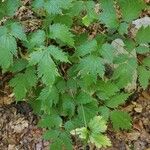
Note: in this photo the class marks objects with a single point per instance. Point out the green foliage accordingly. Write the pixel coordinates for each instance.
(93, 132)
(69, 71)
(143, 35)
(61, 32)
(23, 82)
(7, 8)
(120, 120)
(131, 9)
(52, 7)
(8, 46)
(108, 16)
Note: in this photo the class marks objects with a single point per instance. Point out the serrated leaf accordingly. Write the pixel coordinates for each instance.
(52, 6)
(108, 15)
(143, 35)
(76, 8)
(107, 52)
(18, 65)
(63, 142)
(87, 112)
(106, 89)
(100, 140)
(68, 105)
(8, 48)
(47, 70)
(64, 19)
(81, 132)
(104, 112)
(58, 54)
(117, 100)
(131, 9)
(7, 8)
(51, 134)
(23, 82)
(61, 32)
(144, 76)
(48, 96)
(67, 141)
(91, 14)
(50, 121)
(123, 74)
(36, 39)
(120, 120)
(123, 28)
(84, 98)
(56, 145)
(18, 32)
(92, 65)
(86, 47)
(46, 67)
(146, 61)
(142, 49)
(97, 125)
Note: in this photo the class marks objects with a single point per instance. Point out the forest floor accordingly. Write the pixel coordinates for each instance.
(18, 124)
(19, 131)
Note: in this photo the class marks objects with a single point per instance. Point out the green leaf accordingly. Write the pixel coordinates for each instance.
(8, 48)
(58, 54)
(106, 89)
(143, 35)
(131, 9)
(142, 49)
(7, 8)
(144, 76)
(50, 121)
(18, 65)
(3, 30)
(76, 8)
(56, 145)
(107, 52)
(104, 112)
(18, 32)
(23, 82)
(86, 20)
(84, 98)
(46, 67)
(36, 39)
(68, 105)
(67, 141)
(48, 97)
(61, 32)
(86, 47)
(81, 132)
(123, 28)
(97, 125)
(51, 134)
(87, 112)
(52, 6)
(92, 65)
(123, 74)
(117, 100)
(120, 120)
(100, 140)
(64, 19)
(146, 61)
(91, 14)
(108, 15)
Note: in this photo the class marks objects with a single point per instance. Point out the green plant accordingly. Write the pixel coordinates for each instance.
(67, 77)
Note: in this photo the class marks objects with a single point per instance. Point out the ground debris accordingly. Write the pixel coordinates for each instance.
(19, 132)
